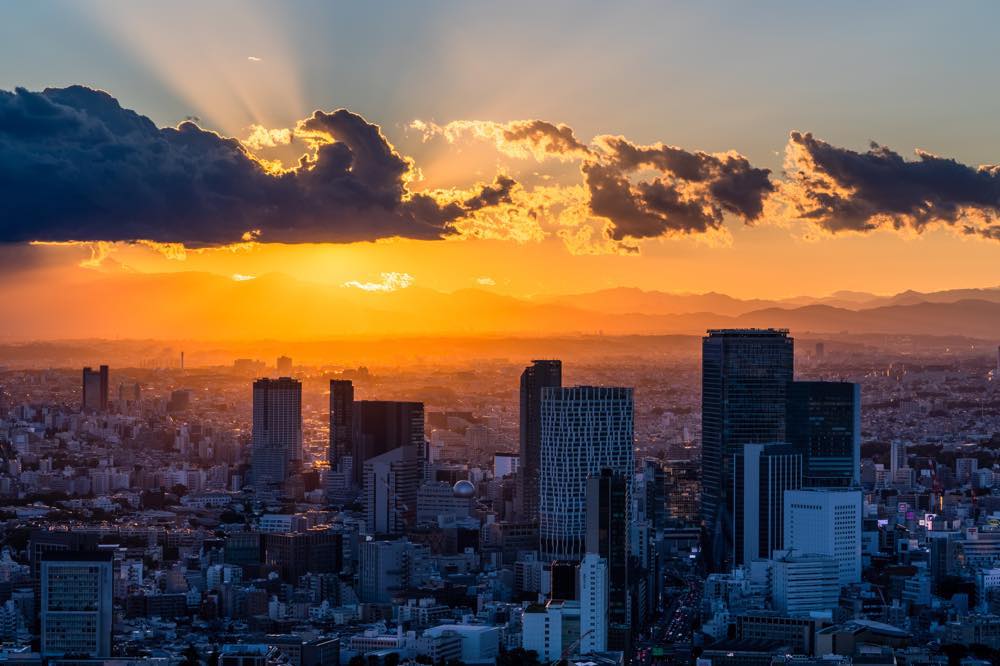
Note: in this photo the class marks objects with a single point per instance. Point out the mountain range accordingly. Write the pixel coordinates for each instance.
(275, 306)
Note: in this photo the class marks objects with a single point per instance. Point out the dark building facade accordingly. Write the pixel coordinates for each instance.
(379, 426)
(823, 421)
(608, 536)
(745, 378)
(341, 420)
(537, 376)
(95, 388)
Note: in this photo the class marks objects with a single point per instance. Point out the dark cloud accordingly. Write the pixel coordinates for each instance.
(693, 193)
(75, 165)
(548, 137)
(845, 190)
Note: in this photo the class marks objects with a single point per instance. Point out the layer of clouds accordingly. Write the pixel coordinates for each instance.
(76, 166)
(844, 190)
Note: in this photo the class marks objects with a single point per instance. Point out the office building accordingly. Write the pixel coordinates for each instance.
(277, 432)
(535, 378)
(593, 603)
(824, 423)
(654, 500)
(341, 421)
(284, 366)
(379, 426)
(804, 582)
(295, 554)
(391, 481)
(608, 527)
(745, 377)
(95, 389)
(440, 499)
(761, 475)
(505, 464)
(388, 568)
(826, 521)
(76, 604)
(585, 429)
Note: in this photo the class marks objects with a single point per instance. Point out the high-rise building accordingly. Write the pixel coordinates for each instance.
(379, 426)
(276, 449)
(341, 421)
(762, 473)
(536, 377)
(295, 554)
(608, 526)
(593, 604)
(826, 521)
(76, 598)
(284, 366)
(653, 500)
(824, 423)
(95, 389)
(391, 481)
(745, 377)
(585, 429)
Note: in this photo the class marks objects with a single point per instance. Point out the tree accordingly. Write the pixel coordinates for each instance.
(190, 655)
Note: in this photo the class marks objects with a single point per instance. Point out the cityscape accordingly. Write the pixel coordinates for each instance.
(557, 333)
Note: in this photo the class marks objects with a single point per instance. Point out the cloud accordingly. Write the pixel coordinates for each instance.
(76, 166)
(390, 282)
(254, 59)
(486, 281)
(842, 190)
(537, 139)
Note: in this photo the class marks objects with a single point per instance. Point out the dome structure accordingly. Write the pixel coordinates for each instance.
(464, 489)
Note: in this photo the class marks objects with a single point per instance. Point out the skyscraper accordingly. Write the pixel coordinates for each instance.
(277, 431)
(391, 481)
(745, 377)
(536, 377)
(379, 426)
(585, 429)
(76, 598)
(824, 422)
(762, 473)
(341, 420)
(95, 388)
(608, 524)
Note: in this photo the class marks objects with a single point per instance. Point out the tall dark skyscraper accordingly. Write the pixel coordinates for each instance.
(95, 388)
(824, 422)
(341, 420)
(745, 377)
(608, 536)
(537, 376)
(277, 431)
(379, 426)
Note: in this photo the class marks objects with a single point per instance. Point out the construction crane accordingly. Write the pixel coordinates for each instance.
(572, 646)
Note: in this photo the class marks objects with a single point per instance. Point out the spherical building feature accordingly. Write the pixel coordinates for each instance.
(464, 489)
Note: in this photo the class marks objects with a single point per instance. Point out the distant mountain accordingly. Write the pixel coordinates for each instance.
(630, 300)
(192, 305)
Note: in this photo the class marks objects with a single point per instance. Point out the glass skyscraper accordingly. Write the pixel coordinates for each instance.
(745, 377)
(824, 423)
(585, 429)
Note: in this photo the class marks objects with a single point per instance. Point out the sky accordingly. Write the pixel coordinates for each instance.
(763, 150)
